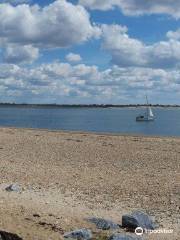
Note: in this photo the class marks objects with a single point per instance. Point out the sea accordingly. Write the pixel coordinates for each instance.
(101, 120)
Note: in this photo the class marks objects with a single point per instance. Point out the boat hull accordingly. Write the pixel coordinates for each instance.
(144, 119)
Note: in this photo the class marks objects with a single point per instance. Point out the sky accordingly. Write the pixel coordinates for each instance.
(90, 51)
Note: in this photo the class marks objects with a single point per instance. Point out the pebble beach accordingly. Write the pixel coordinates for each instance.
(66, 177)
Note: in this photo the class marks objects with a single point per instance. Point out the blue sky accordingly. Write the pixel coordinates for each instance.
(89, 51)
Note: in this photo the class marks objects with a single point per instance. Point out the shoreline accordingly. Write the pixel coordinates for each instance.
(76, 106)
(91, 132)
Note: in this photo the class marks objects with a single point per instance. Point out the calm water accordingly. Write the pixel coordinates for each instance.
(113, 120)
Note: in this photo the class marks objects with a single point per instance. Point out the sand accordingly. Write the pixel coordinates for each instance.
(67, 177)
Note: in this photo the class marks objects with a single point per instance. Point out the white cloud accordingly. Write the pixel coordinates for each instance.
(101, 5)
(53, 26)
(62, 82)
(174, 34)
(25, 29)
(20, 54)
(137, 7)
(127, 51)
(72, 57)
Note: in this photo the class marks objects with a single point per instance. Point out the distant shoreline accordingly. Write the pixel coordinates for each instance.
(85, 105)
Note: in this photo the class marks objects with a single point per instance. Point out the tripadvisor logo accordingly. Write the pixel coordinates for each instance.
(139, 231)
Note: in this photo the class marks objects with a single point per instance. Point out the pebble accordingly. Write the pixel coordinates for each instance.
(13, 188)
(103, 223)
(9, 236)
(79, 234)
(137, 219)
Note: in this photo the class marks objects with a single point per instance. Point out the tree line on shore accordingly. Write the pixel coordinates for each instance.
(84, 105)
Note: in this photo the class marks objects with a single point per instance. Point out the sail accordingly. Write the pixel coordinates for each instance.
(150, 113)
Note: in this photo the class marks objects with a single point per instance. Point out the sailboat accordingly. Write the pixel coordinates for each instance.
(147, 116)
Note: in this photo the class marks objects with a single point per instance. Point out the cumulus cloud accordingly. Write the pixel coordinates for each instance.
(59, 82)
(20, 54)
(127, 51)
(137, 7)
(72, 57)
(25, 29)
(101, 5)
(174, 34)
(53, 26)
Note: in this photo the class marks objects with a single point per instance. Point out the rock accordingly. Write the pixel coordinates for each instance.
(9, 236)
(123, 237)
(80, 234)
(137, 219)
(103, 223)
(13, 188)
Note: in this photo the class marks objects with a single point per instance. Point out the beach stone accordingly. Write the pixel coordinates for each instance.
(80, 234)
(123, 237)
(103, 223)
(137, 219)
(13, 188)
(9, 236)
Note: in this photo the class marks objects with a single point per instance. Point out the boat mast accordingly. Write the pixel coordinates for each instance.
(147, 104)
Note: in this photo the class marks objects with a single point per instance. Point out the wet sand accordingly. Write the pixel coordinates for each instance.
(68, 176)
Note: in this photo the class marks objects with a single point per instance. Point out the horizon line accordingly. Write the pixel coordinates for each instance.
(86, 105)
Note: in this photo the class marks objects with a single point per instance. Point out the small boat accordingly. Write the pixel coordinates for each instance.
(147, 116)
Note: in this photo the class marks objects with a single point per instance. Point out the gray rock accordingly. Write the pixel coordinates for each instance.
(137, 219)
(9, 236)
(13, 188)
(123, 237)
(80, 234)
(103, 223)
